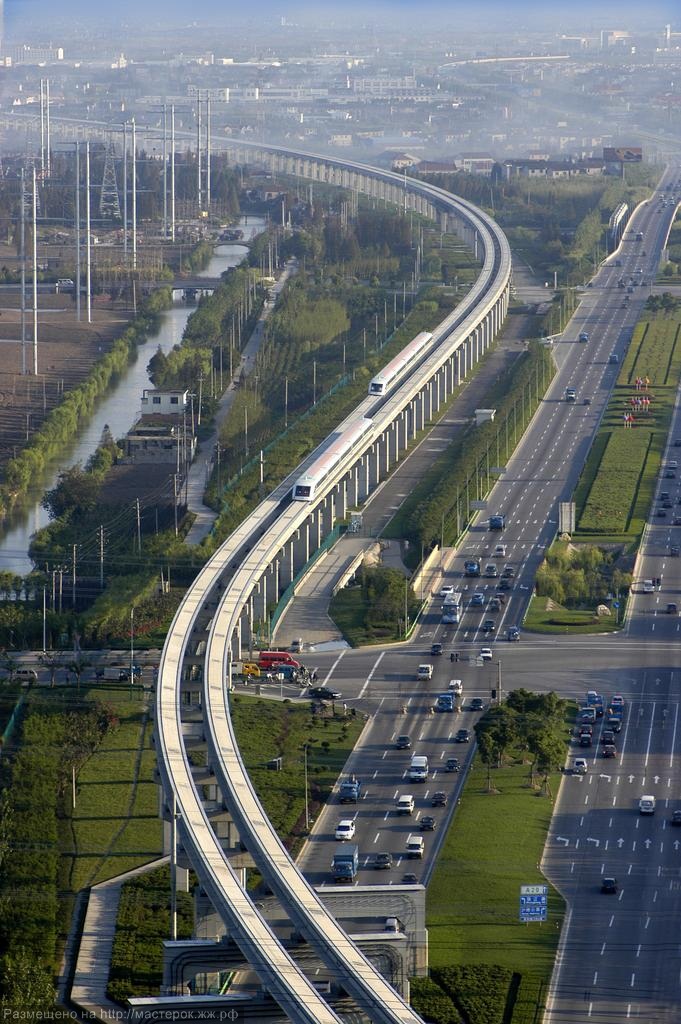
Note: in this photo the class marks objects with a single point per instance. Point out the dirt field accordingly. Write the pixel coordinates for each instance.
(66, 350)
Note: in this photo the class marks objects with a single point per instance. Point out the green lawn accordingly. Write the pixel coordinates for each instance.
(493, 847)
(545, 616)
(115, 824)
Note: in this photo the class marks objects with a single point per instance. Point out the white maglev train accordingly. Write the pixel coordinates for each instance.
(342, 444)
(390, 374)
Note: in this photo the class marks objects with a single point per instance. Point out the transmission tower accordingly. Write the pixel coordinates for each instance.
(109, 203)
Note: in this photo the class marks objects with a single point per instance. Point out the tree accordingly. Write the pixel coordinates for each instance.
(76, 492)
(78, 666)
(52, 662)
(25, 984)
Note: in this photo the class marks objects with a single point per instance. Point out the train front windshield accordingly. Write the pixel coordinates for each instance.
(302, 491)
(375, 389)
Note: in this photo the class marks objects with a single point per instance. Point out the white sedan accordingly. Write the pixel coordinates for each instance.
(345, 829)
(485, 653)
(444, 591)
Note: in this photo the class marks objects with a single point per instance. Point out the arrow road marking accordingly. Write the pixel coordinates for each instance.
(596, 841)
(562, 839)
(620, 843)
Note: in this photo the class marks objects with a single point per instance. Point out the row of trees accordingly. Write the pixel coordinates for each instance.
(531, 722)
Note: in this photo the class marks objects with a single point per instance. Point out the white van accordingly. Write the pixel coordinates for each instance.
(646, 805)
(418, 769)
(27, 675)
(424, 672)
(405, 804)
(414, 846)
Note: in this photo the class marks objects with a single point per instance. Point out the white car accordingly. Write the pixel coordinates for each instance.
(646, 805)
(486, 653)
(580, 766)
(345, 829)
(424, 672)
(648, 587)
(444, 591)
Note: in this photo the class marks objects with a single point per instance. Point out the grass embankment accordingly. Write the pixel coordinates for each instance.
(615, 491)
(115, 824)
(544, 615)
(493, 847)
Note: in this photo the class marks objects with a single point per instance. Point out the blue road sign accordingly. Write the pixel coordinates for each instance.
(533, 902)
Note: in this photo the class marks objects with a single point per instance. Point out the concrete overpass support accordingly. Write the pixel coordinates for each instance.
(328, 513)
(301, 545)
(287, 572)
(341, 496)
(317, 528)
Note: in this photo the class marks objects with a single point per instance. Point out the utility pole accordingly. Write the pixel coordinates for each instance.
(139, 527)
(88, 249)
(165, 171)
(78, 231)
(23, 271)
(172, 172)
(208, 141)
(73, 577)
(175, 499)
(134, 196)
(101, 557)
(125, 193)
(198, 150)
(42, 126)
(35, 274)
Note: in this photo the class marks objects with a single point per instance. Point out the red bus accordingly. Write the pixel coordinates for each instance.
(266, 659)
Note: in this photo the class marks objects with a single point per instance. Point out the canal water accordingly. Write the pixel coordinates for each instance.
(118, 410)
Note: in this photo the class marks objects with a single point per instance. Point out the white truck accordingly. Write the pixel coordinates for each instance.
(418, 769)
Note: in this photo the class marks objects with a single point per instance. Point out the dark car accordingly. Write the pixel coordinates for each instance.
(324, 693)
(403, 742)
(439, 798)
(670, 474)
(477, 704)
(383, 861)
(607, 736)
(427, 823)
(494, 605)
(452, 764)
(587, 401)
(462, 736)
(675, 818)
(488, 626)
(677, 521)
(674, 551)
(585, 739)
(609, 885)
(677, 442)
(435, 649)
(478, 599)
(504, 584)
(513, 633)
(661, 513)
(664, 495)
(508, 572)
(410, 878)
(672, 608)
(667, 503)
(609, 750)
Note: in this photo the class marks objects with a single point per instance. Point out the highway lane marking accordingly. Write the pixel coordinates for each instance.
(602, 949)
(610, 924)
(676, 720)
(368, 678)
(650, 735)
(633, 979)
(333, 667)
(376, 837)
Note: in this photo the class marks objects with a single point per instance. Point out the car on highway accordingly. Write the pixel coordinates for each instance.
(674, 551)
(427, 823)
(585, 739)
(435, 649)
(672, 608)
(463, 736)
(646, 805)
(324, 693)
(609, 885)
(485, 653)
(478, 599)
(383, 861)
(403, 742)
(583, 336)
(477, 704)
(609, 750)
(439, 798)
(508, 571)
(494, 604)
(424, 671)
(670, 474)
(446, 590)
(491, 570)
(675, 818)
(409, 878)
(677, 442)
(505, 583)
(452, 764)
(607, 736)
(676, 521)
(513, 634)
(580, 766)
(613, 358)
(488, 626)
(648, 587)
(500, 551)
(587, 401)
(345, 829)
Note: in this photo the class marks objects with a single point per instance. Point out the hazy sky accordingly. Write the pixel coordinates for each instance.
(223, 11)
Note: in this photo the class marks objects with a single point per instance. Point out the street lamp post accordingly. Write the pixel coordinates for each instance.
(307, 802)
(132, 643)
